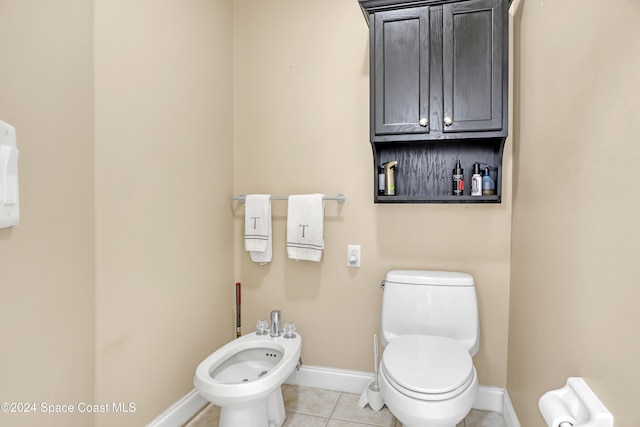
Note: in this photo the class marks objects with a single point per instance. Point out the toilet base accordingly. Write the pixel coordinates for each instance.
(267, 412)
(420, 413)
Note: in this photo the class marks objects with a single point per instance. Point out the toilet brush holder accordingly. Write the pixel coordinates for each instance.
(372, 394)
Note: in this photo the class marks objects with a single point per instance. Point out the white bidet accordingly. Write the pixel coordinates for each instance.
(245, 376)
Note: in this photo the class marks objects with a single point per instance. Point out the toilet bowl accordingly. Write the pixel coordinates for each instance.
(427, 381)
(244, 378)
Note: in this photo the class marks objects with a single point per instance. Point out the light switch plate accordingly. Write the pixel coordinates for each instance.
(353, 255)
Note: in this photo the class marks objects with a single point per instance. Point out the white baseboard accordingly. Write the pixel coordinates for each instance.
(508, 412)
(489, 398)
(496, 399)
(181, 411)
(343, 380)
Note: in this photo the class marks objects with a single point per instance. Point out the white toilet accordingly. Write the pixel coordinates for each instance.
(245, 376)
(430, 331)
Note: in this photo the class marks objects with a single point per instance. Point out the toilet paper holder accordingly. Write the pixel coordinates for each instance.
(575, 405)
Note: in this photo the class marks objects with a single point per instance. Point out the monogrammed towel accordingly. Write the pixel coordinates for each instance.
(257, 227)
(305, 227)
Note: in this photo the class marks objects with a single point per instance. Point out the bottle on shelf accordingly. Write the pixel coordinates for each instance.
(458, 179)
(389, 177)
(488, 186)
(476, 181)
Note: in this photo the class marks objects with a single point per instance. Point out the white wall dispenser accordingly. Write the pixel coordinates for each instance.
(574, 405)
(9, 197)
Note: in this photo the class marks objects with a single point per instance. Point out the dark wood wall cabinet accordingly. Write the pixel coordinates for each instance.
(438, 73)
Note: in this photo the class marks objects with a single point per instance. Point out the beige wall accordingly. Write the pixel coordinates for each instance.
(46, 263)
(574, 290)
(113, 283)
(164, 161)
(301, 126)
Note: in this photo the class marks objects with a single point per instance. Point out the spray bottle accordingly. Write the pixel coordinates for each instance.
(389, 178)
(476, 181)
(458, 179)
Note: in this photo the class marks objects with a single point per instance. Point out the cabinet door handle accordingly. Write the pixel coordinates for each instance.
(448, 121)
(424, 122)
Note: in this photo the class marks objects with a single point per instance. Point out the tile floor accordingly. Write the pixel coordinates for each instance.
(314, 407)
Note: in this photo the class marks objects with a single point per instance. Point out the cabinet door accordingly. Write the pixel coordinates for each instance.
(473, 66)
(400, 65)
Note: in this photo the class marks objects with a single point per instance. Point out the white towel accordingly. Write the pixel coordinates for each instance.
(305, 227)
(257, 227)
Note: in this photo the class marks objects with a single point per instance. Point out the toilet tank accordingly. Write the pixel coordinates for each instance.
(439, 303)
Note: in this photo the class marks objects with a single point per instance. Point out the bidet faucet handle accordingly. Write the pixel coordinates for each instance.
(275, 323)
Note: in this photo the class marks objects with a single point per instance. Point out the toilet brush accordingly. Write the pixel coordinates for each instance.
(372, 394)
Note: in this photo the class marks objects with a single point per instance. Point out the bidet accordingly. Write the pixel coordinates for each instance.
(244, 378)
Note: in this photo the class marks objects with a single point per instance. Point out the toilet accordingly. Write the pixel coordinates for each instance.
(245, 376)
(430, 331)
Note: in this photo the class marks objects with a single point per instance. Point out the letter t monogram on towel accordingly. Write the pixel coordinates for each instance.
(305, 227)
(257, 227)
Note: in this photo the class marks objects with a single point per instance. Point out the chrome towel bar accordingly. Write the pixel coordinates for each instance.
(340, 198)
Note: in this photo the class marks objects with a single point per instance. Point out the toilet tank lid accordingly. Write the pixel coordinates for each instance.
(429, 277)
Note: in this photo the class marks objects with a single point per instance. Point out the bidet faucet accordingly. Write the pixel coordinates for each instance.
(275, 323)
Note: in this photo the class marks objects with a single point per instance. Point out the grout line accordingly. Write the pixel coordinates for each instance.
(334, 407)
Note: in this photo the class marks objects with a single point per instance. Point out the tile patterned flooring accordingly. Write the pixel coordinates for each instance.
(314, 407)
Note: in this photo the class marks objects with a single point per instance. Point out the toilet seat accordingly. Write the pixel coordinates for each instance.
(427, 367)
